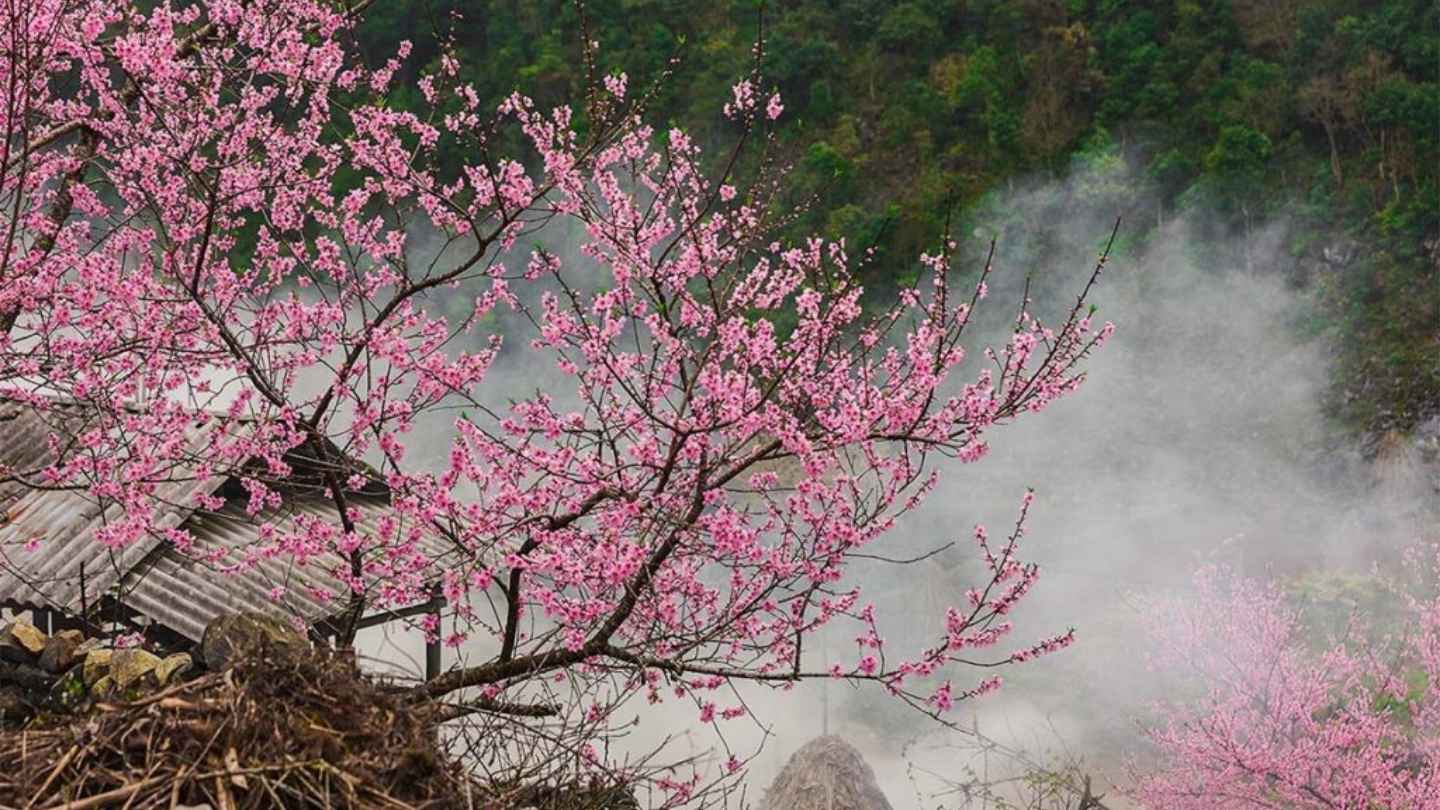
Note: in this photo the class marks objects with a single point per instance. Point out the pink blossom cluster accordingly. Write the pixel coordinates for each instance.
(1277, 722)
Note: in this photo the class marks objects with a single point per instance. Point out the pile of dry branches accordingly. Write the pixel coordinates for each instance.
(277, 730)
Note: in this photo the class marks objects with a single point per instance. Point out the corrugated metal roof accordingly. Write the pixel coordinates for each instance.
(184, 591)
(179, 590)
(65, 521)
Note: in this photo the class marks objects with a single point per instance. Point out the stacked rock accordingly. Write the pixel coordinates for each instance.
(36, 668)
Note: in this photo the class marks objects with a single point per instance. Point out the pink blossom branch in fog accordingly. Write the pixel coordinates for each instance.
(1280, 721)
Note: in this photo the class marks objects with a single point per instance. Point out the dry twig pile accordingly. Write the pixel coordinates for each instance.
(277, 730)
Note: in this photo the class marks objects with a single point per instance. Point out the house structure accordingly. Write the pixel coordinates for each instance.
(52, 564)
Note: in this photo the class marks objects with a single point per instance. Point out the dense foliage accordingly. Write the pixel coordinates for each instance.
(1323, 114)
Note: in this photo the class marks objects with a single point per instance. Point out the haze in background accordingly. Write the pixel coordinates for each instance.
(1198, 438)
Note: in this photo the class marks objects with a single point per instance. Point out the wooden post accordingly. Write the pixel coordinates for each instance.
(84, 604)
(432, 659)
(432, 647)
(824, 682)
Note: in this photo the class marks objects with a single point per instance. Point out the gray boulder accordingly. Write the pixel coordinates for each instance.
(61, 651)
(233, 635)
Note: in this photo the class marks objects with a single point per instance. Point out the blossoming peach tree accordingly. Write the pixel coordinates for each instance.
(214, 211)
(1277, 720)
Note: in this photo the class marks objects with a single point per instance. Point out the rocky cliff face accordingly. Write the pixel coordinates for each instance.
(827, 773)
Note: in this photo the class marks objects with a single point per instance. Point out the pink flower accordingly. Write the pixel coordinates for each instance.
(615, 84)
(774, 107)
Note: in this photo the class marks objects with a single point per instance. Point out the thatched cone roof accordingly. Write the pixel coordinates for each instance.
(827, 773)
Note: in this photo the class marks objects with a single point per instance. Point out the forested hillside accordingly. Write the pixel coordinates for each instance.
(1323, 114)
